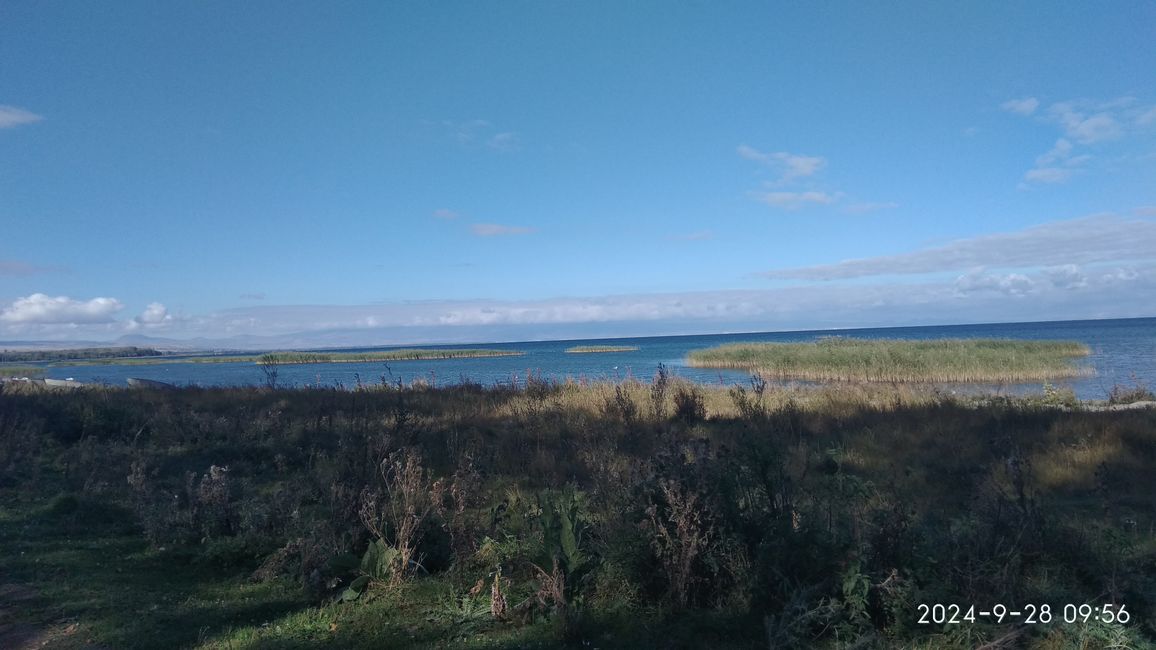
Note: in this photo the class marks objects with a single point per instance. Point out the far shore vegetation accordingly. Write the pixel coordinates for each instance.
(20, 371)
(26, 356)
(893, 360)
(289, 358)
(593, 349)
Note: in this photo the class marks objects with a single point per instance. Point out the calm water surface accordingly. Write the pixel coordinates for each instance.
(1123, 351)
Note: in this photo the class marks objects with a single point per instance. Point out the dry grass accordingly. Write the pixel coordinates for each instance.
(589, 349)
(771, 487)
(891, 360)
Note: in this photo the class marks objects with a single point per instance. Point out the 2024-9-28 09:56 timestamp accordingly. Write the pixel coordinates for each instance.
(1029, 614)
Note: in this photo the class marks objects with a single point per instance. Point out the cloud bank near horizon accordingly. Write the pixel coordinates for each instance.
(1100, 266)
(1105, 238)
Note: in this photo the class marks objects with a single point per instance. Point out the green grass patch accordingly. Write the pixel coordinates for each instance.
(892, 360)
(591, 349)
(216, 518)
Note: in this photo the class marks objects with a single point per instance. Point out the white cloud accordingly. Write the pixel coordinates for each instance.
(1056, 165)
(506, 141)
(1012, 284)
(977, 295)
(1068, 276)
(1083, 123)
(13, 116)
(1085, 127)
(445, 213)
(41, 309)
(255, 295)
(1025, 106)
(1049, 175)
(793, 189)
(1120, 275)
(864, 207)
(154, 314)
(790, 166)
(495, 230)
(1059, 152)
(795, 200)
(1104, 238)
(1145, 211)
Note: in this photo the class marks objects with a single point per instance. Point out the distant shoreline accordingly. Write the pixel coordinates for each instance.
(599, 349)
(293, 358)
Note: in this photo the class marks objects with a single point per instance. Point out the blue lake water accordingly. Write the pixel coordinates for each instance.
(1123, 351)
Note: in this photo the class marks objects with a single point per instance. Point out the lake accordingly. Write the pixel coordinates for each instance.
(1123, 351)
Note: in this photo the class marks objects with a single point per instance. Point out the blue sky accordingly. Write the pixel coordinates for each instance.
(364, 173)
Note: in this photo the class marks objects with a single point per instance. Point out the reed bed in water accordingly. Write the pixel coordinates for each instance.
(893, 360)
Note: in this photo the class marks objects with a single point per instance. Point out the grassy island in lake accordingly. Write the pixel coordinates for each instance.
(892, 360)
(591, 349)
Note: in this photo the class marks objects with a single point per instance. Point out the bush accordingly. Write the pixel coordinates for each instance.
(689, 405)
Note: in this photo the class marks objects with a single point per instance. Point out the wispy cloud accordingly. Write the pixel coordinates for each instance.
(257, 295)
(796, 200)
(19, 268)
(863, 207)
(506, 141)
(1047, 175)
(795, 185)
(467, 131)
(1025, 106)
(789, 166)
(1088, 122)
(41, 309)
(1083, 124)
(13, 116)
(1094, 239)
(701, 235)
(445, 213)
(498, 230)
(483, 133)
